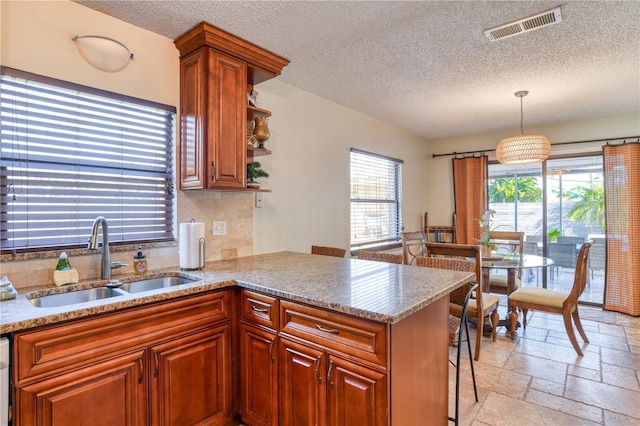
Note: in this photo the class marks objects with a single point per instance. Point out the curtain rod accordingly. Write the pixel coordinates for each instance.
(482, 151)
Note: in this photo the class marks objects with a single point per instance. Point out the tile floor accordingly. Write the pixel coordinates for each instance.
(538, 379)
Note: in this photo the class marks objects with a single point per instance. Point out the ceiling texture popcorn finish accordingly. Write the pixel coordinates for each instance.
(428, 67)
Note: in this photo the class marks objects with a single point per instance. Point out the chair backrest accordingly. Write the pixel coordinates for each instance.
(328, 251)
(570, 240)
(530, 247)
(457, 296)
(597, 259)
(580, 277)
(533, 238)
(381, 256)
(413, 246)
(460, 251)
(563, 254)
(443, 255)
(512, 241)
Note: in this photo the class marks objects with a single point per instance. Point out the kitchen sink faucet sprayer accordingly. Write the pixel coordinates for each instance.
(105, 265)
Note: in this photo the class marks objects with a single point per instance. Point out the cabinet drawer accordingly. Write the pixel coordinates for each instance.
(51, 350)
(357, 337)
(260, 309)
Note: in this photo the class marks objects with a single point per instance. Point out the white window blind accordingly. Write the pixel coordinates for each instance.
(71, 153)
(376, 199)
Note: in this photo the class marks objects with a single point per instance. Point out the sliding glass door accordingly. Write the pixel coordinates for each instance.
(575, 213)
(558, 205)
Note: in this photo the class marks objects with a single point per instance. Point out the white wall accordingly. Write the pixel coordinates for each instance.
(309, 169)
(36, 37)
(439, 184)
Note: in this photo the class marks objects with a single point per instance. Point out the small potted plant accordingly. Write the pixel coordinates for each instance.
(254, 171)
(553, 234)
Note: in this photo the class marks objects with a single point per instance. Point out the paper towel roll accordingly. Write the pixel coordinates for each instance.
(192, 245)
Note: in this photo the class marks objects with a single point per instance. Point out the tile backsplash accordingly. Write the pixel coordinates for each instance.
(236, 208)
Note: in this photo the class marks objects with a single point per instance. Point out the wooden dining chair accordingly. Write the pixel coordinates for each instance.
(413, 246)
(328, 251)
(510, 242)
(381, 256)
(553, 301)
(484, 304)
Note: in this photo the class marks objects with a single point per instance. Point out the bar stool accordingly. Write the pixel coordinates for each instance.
(463, 322)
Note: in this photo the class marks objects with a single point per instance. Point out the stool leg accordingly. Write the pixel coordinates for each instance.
(473, 374)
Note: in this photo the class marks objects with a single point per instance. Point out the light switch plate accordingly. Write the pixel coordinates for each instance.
(259, 200)
(219, 227)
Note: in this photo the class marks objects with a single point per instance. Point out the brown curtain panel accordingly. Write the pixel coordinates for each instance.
(622, 202)
(470, 195)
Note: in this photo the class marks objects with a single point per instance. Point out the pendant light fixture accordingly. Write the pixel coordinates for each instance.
(524, 148)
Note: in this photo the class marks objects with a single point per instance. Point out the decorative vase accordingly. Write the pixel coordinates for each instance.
(261, 129)
(486, 251)
(253, 184)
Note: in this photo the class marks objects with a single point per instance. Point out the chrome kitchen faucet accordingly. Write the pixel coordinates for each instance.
(105, 265)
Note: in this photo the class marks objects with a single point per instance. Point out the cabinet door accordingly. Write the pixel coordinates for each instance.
(226, 122)
(193, 98)
(259, 376)
(357, 395)
(191, 379)
(302, 385)
(105, 394)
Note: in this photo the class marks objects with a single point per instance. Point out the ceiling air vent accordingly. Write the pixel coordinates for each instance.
(544, 19)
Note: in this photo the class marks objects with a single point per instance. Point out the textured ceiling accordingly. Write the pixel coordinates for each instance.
(427, 66)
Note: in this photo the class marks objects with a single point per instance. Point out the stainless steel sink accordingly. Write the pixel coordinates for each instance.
(154, 284)
(74, 297)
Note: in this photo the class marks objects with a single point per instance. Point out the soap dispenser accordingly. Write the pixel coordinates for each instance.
(139, 262)
(64, 273)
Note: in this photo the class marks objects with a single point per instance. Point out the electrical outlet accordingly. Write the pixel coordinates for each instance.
(259, 200)
(219, 227)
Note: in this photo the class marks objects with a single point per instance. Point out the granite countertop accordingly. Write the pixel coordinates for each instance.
(377, 291)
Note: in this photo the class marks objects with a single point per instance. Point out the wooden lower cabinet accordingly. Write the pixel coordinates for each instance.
(317, 388)
(191, 379)
(106, 394)
(357, 395)
(164, 364)
(336, 369)
(302, 385)
(259, 376)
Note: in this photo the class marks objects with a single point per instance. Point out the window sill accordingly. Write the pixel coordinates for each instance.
(50, 254)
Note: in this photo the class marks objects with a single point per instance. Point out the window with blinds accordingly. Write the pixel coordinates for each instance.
(376, 199)
(70, 153)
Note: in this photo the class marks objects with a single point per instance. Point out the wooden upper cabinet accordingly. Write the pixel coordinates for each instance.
(216, 69)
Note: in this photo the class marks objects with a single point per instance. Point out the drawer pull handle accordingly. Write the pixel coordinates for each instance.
(155, 371)
(263, 311)
(141, 370)
(271, 350)
(318, 369)
(327, 330)
(329, 375)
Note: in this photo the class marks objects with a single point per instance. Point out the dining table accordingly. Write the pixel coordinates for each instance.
(511, 262)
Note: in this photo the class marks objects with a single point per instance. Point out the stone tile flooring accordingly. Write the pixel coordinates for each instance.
(538, 379)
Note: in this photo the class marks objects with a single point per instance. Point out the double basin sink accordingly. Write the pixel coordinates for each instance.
(113, 289)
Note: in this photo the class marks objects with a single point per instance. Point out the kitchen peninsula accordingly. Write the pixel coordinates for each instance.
(298, 338)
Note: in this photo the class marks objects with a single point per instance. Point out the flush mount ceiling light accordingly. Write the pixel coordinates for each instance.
(524, 148)
(103, 53)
